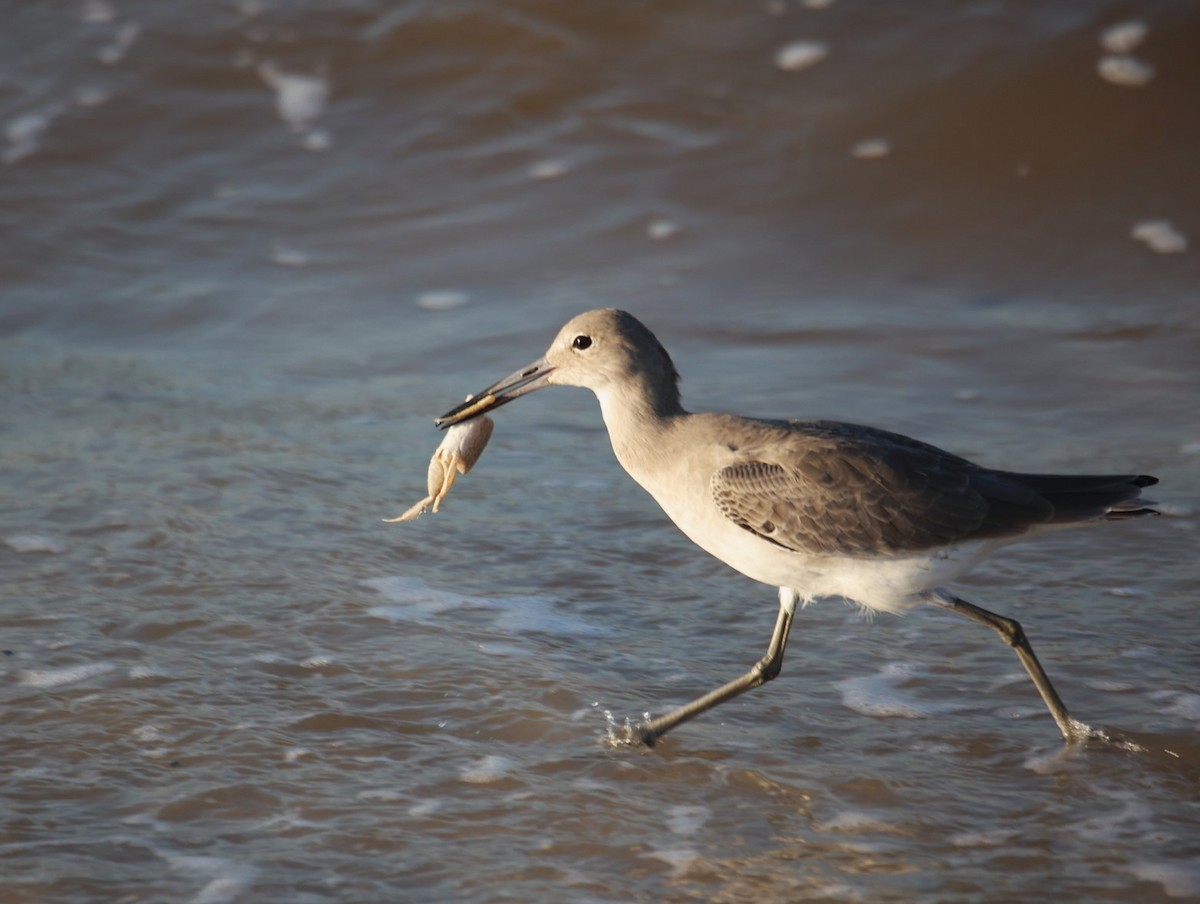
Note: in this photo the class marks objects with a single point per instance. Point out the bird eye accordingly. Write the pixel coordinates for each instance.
(581, 342)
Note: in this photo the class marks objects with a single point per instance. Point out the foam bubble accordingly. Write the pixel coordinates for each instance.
(316, 140)
(229, 880)
(684, 819)
(97, 11)
(113, 53)
(1127, 71)
(1160, 236)
(1177, 880)
(490, 768)
(871, 149)
(36, 543)
(881, 695)
(800, 55)
(68, 675)
(679, 859)
(299, 99)
(417, 601)
(661, 230)
(1128, 592)
(145, 672)
(289, 257)
(388, 795)
(1124, 36)
(24, 134)
(854, 822)
(442, 299)
(549, 169)
(148, 734)
(1184, 705)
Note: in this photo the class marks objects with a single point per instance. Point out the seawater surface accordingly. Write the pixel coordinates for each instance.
(251, 248)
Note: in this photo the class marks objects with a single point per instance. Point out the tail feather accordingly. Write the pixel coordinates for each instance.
(1108, 497)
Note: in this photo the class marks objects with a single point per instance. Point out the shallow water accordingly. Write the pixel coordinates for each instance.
(253, 247)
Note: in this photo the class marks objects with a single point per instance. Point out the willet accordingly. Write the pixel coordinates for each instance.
(815, 508)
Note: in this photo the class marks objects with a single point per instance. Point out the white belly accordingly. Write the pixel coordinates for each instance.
(882, 583)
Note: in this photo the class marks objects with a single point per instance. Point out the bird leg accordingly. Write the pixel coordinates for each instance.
(761, 672)
(1013, 634)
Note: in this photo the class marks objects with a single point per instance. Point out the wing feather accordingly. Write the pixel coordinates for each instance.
(824, 488)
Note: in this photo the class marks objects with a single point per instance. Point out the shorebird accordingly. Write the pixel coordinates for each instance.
(815, 508)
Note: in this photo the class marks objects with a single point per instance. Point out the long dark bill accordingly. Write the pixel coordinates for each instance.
(515, 385)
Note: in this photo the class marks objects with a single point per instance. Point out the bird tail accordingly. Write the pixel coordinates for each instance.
(1105, 497)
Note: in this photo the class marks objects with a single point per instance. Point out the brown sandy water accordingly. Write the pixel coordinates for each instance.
(251, 248)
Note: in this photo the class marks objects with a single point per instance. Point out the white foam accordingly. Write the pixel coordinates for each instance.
(442, 299)
(687, 819)
(24, 133)
(1127, 71)
(678, 858)
(881, 695)
(287, 256)
(146, 672)
(299, 99)
(420, 600)
(490, 768)
(147, 734)
(97, 11)
(1160, 236)
(1177, 880)
(1109, 686)
(388, 795)
(540, 615)
(800, 55)
(113, 53)
(36, 543)
(229, 880)
(293, 754)
(71, 674)
(491, 648)
(871, 149)
(855, 822)
(417, 601)
(316, 140)
(661, 230)
(316, 662)
(1134, 818)
(549, 169)
(1128, 592)
(1184, 705)
(1124, 36)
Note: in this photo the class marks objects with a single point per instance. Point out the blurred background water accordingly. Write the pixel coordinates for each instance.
(251, 248)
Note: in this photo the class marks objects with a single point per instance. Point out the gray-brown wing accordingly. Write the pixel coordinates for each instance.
(847, 490)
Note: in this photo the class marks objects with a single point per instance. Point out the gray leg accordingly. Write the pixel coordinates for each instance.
(1012, 633)
(761, 672)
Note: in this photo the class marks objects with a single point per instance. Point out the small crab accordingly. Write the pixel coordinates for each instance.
(457, 454)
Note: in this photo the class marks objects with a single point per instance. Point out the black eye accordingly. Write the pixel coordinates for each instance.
(581, 342)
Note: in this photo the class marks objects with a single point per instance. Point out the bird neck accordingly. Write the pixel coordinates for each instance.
(636, 414)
